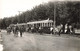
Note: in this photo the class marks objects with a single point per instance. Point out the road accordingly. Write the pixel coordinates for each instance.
(1, 45)
(37, 42)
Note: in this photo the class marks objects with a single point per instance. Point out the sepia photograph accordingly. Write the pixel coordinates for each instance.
(39, 25)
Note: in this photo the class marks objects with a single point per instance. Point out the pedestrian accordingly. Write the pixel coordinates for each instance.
(68, 30)
(22, 29)
(60, 29)
(51, 30)
(59, 32)
(8, 30)
(73, 30)
(15, 31)
(40, 30)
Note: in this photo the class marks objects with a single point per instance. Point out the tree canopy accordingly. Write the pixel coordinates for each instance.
(66, 12)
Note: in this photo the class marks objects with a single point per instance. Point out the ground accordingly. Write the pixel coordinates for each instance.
(37, 42)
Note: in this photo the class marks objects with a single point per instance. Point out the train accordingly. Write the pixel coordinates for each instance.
(42, 26)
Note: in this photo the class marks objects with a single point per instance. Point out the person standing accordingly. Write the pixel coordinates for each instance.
(73, 28)
(68, 30)
(21, 30)
(60, 29)
(8, 30)
(15, 31)
(51, 29)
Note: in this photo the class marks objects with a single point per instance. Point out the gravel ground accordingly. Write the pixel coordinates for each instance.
(37, 42)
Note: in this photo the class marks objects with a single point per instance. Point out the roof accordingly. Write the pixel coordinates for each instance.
(43, 21)
(22, 24)
(11, 24)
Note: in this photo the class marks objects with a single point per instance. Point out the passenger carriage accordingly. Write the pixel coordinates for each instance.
(19, 25)
(40, 26)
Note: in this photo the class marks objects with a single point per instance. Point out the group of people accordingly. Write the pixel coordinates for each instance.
(59, 30)
(19, 30)
(16, 30)
(56, 30)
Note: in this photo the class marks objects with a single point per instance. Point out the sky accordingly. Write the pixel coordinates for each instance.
(10, 8)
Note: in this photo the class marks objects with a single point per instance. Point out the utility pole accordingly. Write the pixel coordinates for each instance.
(19, 12)
(19, 15)
(54, 15)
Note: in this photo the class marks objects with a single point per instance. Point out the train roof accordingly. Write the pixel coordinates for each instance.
(42, 21)
(22, 24)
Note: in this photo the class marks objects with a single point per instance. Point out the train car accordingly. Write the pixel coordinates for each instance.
(19, 25)
(40, 26)
(24, 25)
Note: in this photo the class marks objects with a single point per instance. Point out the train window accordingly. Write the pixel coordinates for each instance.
(34, 25)
(42, 24)
(38, 24)
(52, 23)
(45, 24)
(48, 24)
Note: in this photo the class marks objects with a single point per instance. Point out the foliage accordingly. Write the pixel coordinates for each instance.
(66, 13)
